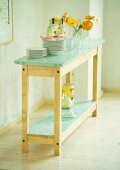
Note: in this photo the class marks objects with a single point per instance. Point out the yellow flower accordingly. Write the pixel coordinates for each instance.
(87, 25)
(71, 22)
(56, 20)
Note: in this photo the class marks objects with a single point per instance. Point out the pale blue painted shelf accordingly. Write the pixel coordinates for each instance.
(62, 59)
(45, 126)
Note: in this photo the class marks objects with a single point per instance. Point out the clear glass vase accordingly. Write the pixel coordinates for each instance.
(80, 39)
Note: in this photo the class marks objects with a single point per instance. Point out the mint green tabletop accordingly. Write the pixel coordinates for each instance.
(62, 59)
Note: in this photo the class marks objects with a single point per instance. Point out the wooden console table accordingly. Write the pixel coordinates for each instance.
(56, 67)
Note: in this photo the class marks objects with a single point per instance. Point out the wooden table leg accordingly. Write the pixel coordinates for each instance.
(24, 108)
(57, 114)
(95, 82)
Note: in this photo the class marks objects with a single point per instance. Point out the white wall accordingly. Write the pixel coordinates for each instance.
(96, 9)
(34, 25)
(27, 28)
(76, 8)
(111, 50)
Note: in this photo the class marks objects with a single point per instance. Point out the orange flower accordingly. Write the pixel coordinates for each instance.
(71, 22)
(87, 25)
(64, 16)
(89, 17)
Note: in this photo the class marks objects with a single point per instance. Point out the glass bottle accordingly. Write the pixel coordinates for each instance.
(61, 29)
(66, 101)
(50, 29)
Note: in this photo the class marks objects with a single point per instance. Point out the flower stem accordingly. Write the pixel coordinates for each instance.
(76, 31)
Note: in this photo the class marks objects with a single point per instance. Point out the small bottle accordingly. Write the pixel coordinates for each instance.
(53, 27)
(61, 29)
(50, 30)
(66, 102)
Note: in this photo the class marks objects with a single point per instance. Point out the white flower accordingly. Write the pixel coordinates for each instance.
(96, 20)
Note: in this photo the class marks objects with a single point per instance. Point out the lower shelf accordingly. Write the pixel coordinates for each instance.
(45, 126)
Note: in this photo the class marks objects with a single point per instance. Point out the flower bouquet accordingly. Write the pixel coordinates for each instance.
(79, 25)
(80, 29)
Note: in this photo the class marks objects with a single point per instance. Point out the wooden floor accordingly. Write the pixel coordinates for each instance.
(95, 145)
